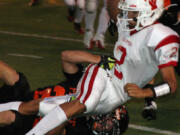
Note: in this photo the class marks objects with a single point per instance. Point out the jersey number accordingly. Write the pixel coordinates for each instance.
(120, 62)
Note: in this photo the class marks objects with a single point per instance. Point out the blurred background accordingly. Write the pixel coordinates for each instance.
(32, 37)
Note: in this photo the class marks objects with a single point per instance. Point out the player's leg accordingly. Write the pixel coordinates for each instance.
(78, 19)
(15, 122)
(79, 14)
(102, 27)
(70, 58)
(15, 85)
(57, 116)
(73, 71)
(90, 16)
(90, 91)
(71, 9)
(6, 118)
(8, 74)
(60, 130)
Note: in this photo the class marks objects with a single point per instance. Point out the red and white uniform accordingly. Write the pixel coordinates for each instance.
(139, 57)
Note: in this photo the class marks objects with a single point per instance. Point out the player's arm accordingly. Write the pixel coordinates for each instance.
(71, 58)
(169, 77)
(135, 91)
(79, 57)
(167, 60)
(168, 86)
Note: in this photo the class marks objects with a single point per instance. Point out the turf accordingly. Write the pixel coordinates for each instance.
(47, 19)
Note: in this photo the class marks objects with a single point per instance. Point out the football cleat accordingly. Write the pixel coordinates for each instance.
(88, 40)
(78, 28)
(99, 41)
(149, 111)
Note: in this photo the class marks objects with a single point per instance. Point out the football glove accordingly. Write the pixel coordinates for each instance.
(107, 62)
(149, 111)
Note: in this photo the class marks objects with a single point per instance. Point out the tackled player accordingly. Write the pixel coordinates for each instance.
(143, 48)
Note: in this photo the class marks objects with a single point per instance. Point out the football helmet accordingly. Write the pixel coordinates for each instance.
(148, 12)
(115, 123)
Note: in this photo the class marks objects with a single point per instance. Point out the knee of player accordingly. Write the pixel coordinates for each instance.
(69, 2)
(89, 106)
(64, 55)
(91, 6)
(8, 117)
(81, 5)
(77, 104)
(30, 108)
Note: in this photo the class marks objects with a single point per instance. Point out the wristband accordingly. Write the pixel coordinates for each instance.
(161, 90)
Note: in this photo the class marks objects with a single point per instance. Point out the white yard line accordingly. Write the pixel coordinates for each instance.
(153, 130)
(43, 36)
(40, 36)
(138, 127)
(25, 55)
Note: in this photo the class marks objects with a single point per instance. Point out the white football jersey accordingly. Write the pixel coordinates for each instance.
(140, 55)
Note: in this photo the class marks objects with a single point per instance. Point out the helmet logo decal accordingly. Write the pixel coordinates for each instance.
(132, 6)
(152, 3)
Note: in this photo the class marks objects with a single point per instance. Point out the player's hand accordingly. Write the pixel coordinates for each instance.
(107, 62)
(133, 90)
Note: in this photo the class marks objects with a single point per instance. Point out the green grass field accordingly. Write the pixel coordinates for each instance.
(19, 23)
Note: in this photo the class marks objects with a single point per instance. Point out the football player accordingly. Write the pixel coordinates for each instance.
(97, 39)
(169, 18)
(16, 87)
(143, 48)
(76, 13)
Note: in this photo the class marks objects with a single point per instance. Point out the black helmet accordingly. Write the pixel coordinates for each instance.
(115, 123)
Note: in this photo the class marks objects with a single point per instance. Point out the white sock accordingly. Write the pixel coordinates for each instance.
(53, 119)
(10, 106)
(103, 22)
(89, 20)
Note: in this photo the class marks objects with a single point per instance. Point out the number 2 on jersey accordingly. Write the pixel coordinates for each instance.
(120, 62)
